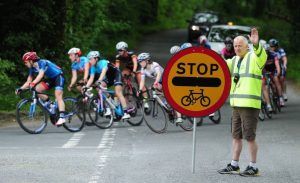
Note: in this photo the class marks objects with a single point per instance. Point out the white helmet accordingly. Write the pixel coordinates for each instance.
(202, 38)
(93, 54)
(262, 42)
(75, 51)
(266, 46)
(185, 45)
(143, 56)
(122, 46)
(174, 49)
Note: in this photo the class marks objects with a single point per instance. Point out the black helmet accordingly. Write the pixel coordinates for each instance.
(228, 40)
(273, 43)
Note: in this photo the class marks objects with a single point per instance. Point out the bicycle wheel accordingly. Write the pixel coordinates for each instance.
(74, 114)
(96, 113)
(271, 97)
(266, 110)
(134, 107)
(32, 118)
(205, 101)
(216, 118)
(187, 123)
(156, 120)
(186, 100)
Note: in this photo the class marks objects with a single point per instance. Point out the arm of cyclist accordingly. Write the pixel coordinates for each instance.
(73, 79)
(24, 86)
(38, 78)
(277, 66)
(135, 63)
(102, 75)
(86, 72)
(285, 61)
(157, 79)
(117, 63)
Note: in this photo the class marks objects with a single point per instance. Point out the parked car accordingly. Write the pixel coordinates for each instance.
(201, 23)
(218, 33)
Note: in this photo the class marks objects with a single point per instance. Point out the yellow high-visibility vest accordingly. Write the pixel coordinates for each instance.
(247, 91)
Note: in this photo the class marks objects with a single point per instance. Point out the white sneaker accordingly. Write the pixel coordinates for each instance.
(269, 108)
(281, 102)
(211, 115)
(60, 121)
(126, 116)
(179, 120)
(108, 112)
(285, 97)
(146, 105)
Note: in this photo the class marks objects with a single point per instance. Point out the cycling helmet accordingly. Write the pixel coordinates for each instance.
(93, 54)
(75, 51)
(143, 56)
(30, 56)
(262, 42)
(174, 49)
(266, 46)
(185, 45)
(273, 43)
(228, 40)
(202, 39)
(122, 46)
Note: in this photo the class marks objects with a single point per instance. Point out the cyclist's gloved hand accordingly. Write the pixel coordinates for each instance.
(31, 85)
(18, 91)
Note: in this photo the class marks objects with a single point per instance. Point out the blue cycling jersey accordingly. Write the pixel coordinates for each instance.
(79, 66)
(281, 53)
(97, 69)
(51, 70)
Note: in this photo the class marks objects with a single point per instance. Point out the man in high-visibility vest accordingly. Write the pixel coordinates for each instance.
(245, 99)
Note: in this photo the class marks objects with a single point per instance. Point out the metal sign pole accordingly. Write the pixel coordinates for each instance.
(194, 146)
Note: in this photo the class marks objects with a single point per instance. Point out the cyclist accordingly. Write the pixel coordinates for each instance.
(155, 71)
(274, 45)
(228, 51)
(54, 76)
(203, 42)
(109, 75)
(80, 64)
(272, 66)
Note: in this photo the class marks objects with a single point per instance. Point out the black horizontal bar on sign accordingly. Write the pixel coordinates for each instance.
(196, 81)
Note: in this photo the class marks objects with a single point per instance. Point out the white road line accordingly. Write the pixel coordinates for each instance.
(74, 140)
(104, 149)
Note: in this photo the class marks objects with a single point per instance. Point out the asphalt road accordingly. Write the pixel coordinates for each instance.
(126, 154)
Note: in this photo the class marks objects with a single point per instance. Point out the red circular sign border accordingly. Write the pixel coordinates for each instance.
(227, 85)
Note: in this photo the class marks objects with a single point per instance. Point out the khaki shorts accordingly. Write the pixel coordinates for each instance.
(244, 123)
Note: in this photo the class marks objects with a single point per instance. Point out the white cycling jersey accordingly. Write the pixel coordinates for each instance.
(151, 70)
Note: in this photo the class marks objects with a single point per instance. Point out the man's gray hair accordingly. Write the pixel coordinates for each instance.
(243, 38)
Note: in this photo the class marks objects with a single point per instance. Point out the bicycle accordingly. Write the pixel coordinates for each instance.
(99, 104)
(32, 113)
(190, 99)
(133, 101)
(273, 95)
(159, 109)
(216, 118)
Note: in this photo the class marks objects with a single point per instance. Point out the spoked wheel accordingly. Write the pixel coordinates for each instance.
(74, 114)
(156, 120)
(134, 107)
(216, 118)
(31, 117)
(84, 103)
(97, 113)
(273, 103)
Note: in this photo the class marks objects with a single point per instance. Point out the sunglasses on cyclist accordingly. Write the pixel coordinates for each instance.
(120, 50)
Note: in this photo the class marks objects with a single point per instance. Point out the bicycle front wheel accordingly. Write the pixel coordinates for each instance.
(156, 120)
(31, 117)
(187, 123)
(99, 114)
(134, 107)
(74, 114)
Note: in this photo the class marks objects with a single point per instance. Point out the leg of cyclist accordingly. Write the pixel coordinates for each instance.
(119, 90)
(138, 76)
(266, 94)
(279, 89)
(42, 86)
(59, 87)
